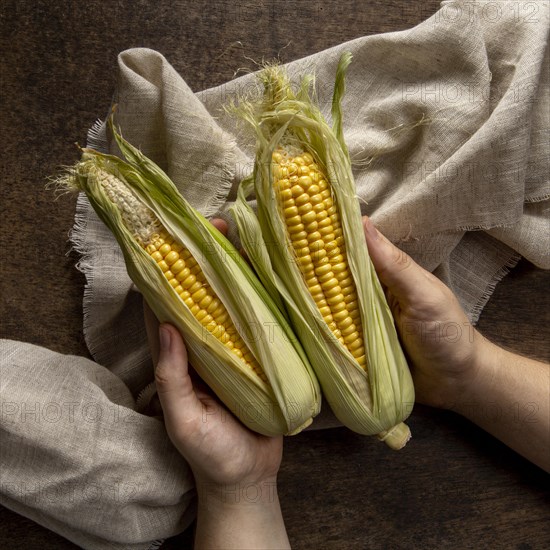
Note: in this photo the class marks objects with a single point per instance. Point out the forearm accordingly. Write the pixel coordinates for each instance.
(246, 516)
(510, 399)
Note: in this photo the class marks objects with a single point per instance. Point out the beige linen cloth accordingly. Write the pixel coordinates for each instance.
(447, 126)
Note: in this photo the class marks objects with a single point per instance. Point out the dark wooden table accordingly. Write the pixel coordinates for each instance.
(453, 486)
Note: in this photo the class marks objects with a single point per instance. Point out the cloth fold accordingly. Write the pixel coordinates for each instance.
(447, 128)
(77, 457)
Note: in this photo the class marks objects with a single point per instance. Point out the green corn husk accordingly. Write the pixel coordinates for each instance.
(374, 402)
(290, 399)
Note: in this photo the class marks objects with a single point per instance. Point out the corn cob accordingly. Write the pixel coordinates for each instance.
(213, 298)
(179, 267)
(306, 243)
(314, 229)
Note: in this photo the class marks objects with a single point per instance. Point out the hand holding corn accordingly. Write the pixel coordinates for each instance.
(454, 366)
(229, 462)
(235, 469)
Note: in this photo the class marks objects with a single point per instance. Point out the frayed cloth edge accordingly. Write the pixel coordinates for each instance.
(96, 137)
(78, 240)
(490, 288)
(537, 198)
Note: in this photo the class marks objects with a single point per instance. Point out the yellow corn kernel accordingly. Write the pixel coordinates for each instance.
(313, 223)
(186, 277)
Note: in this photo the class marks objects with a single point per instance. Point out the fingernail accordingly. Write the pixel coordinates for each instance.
(165, 338)
(369, 228)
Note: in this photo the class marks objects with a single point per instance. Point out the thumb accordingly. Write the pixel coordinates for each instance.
(174, 386)
(399, 273)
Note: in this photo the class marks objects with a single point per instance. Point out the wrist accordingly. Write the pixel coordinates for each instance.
(481, 375)
(240, 515)
(241, 494)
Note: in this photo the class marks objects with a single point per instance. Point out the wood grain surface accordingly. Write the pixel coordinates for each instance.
(453, 486)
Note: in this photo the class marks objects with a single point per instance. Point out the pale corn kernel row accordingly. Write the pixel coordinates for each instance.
(315, 231)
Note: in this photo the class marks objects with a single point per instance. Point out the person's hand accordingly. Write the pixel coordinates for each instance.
(454, 366)
(235, 469)
(443, 348)
(219, 449)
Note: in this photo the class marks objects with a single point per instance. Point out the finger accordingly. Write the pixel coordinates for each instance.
(220, 225)
(397, 271)
(174, 386)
